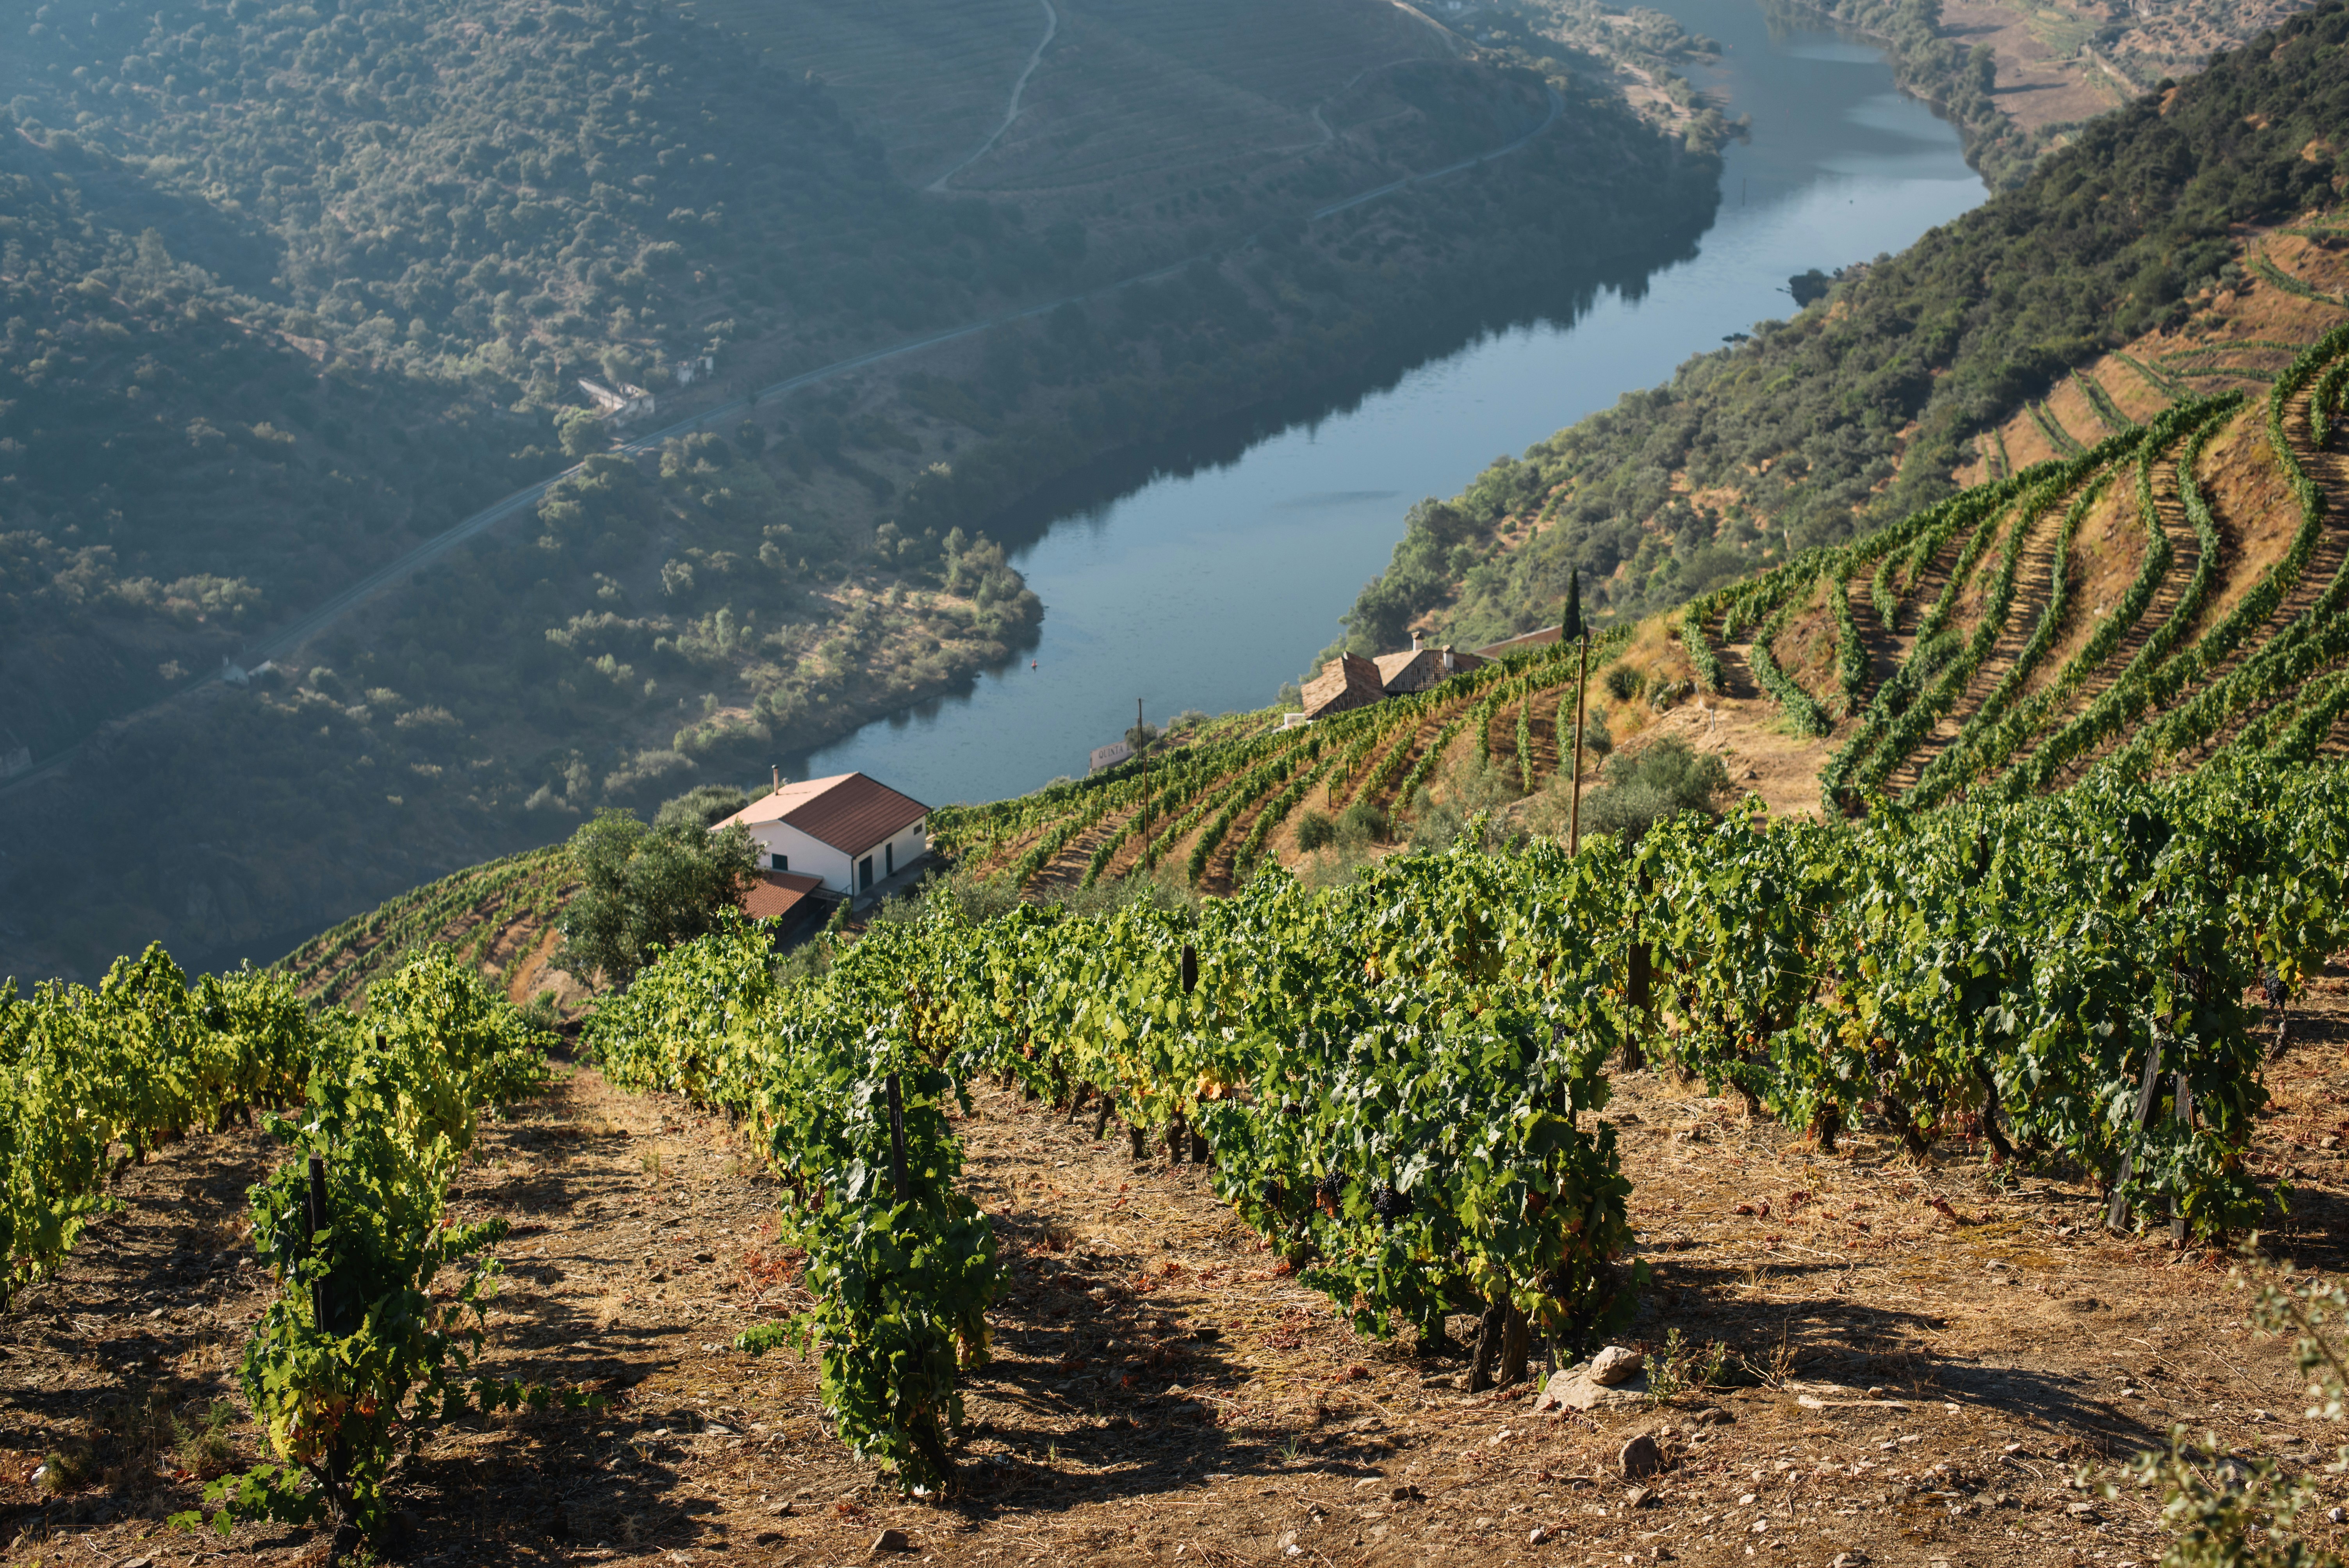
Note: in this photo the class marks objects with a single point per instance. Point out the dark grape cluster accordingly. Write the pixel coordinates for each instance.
(1389, 1204)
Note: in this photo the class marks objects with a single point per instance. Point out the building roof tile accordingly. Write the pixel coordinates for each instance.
(778, 894)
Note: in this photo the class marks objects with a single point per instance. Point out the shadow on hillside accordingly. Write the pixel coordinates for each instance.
(1810, 1332)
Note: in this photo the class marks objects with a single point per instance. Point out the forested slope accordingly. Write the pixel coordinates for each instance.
(1857, 410)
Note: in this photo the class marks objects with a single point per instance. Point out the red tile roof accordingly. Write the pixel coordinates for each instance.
(778, 894)
(849, 812)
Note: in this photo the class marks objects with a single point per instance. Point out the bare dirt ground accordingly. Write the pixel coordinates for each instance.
(2042, 78)
(1922, 1354)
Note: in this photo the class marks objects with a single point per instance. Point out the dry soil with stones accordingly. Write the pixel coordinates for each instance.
(1917, 1358)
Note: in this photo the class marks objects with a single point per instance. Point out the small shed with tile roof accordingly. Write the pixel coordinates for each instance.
(848, 831)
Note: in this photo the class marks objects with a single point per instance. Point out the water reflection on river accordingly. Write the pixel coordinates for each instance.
(1208, 588)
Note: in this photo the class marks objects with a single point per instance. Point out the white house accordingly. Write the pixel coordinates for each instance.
(849, 831)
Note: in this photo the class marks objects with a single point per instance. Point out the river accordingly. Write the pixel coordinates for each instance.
(1207, 589)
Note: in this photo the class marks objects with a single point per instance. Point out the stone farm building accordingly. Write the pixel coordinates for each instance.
(848, 831)
(1350, 681)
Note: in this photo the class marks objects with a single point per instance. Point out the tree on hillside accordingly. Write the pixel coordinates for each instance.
(1570, 622)
(705, 806)
(648, 887)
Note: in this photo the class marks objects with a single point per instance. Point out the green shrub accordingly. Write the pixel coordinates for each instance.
(647, 888)
(1663, 780)
(1364, 821)
(1624, 684)
(1315, 830)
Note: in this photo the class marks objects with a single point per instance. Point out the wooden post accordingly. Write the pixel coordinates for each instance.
(2118, 1210)
(897, 1138)
(1145, 778)
(1574, 806)
(318, 1217)
(2185, 1113)
(1190, 969)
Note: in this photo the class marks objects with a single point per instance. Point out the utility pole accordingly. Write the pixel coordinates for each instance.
(1145, 777)
(1573, 808)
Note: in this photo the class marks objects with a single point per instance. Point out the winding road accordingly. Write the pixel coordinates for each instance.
(1051, 26)
(291, 635)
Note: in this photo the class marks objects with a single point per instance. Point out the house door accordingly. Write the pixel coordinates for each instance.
(865, 874)
(889, 860)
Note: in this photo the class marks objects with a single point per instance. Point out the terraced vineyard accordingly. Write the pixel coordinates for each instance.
(2145, 570)
(499, 916)
(2150, 573)
(1220, 808)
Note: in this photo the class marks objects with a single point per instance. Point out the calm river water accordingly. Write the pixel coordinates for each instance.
(1209, 589)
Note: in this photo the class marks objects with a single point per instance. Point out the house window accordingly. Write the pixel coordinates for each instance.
(889, 860)
(783, 863)
(865, 874)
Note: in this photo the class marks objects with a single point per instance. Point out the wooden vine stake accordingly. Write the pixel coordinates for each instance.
(1183, 1139)
(897, 1138)
(1574, 806)
(318, 1217)
(2186, 1115)
(2117, 1213)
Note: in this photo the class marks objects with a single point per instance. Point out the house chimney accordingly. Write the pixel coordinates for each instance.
(1415, 642)
(1447, 659)
(779, 781)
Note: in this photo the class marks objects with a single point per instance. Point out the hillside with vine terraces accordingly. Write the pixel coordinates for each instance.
(2147, 566)
(1211, 1164)
(2144, 566)
(1887, 1143)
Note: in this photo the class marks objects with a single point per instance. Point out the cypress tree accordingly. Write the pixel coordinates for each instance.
(1570, 624)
